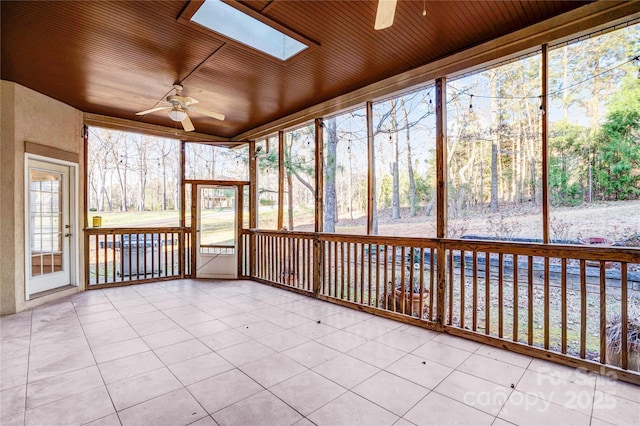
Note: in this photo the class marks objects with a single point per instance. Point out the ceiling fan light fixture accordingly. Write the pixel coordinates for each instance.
(177, 114)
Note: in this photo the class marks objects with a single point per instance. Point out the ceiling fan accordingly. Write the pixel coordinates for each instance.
(178, 108)
(385, 14)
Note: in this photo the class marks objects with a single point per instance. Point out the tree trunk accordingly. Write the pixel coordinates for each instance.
(412, 182)
(374, 198)
(395, 192)
(330, 204)
(495, 119)
(493, 205)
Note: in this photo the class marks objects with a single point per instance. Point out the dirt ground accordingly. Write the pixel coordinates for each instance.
(617, 221)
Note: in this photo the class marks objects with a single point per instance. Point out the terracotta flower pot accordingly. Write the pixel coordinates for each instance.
(413, 304)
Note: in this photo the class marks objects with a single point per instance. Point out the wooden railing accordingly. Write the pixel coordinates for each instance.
(564, 303)
(285, 259)
(369, 272)
(115, 256)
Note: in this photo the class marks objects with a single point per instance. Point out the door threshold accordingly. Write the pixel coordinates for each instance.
(52, 291)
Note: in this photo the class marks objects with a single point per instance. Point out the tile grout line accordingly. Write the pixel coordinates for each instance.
(97, 365)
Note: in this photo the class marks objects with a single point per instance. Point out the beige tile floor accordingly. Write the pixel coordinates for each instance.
(243, 353)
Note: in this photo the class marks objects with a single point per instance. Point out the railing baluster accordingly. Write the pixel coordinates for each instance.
(422, 299)
(546, 303)
(603, 312)
(342, 270)
(563, 304)
(386, 277)
(462, 288)
(113, 256)
(487, 292)
(392, 288)
(403, 291)
(349, 283)
(474, 314)
(500, 294)
(583, 309)
(451, 257)
(377, 275)
(624, 316)
(362, 269)
(370, 280)
(106, 258)
(432, 282)
(516, 317)
(530, 301)
(410, 264)
(336, 266)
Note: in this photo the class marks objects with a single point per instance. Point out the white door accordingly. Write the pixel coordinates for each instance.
(48, 260)
(216, 232)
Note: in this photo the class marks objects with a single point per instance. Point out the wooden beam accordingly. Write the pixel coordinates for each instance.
(253, 202)
(215, 182)
(441, 194)
(156, 130)
(545, 139)
(194, 229)
(280, 179)
(441, 157)
(183, 212)
(239, 220)
(371, 175)
(580, 21)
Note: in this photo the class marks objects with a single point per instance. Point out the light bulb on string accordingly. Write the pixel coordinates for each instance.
(542, 111)
(470, 103)
(424, 7)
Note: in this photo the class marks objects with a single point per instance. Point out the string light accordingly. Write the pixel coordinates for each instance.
(556, 92)
(542, 111)
(424, 7)
(470, 103)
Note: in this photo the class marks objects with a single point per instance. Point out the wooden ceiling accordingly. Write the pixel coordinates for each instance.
(117, 58)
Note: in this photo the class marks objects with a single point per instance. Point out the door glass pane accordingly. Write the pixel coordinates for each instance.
(217, 220)
(45, 198)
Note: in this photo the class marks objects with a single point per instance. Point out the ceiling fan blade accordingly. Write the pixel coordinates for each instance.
(187, 124)
(190, 101)
(211, 114)
(152, 110)
(385, 14)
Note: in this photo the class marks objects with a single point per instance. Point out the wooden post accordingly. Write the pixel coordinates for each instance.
(183, 213)
(194, 229)
(239, 220)
(319, 225)
(441, 193)
(280, 179)
(318, 254)
(85, 179)
(371, 176)
(253, 203)
(545, 155)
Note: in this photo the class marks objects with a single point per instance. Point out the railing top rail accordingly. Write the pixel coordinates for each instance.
(367, 239)
(147, 230)
(586, 252)
(296, 234)
(608, 253)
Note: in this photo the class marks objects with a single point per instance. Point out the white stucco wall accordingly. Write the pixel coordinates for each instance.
(27, 115)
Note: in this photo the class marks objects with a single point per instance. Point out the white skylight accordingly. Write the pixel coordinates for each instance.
(230, 22)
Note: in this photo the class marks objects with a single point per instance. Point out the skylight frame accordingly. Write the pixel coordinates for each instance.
(195, 5)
